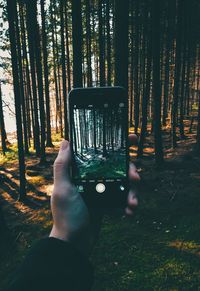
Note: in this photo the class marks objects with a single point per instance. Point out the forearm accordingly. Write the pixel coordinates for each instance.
(53, 265)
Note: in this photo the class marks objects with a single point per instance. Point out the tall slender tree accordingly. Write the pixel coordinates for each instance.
(46, 75)
(38, 61)
(11, 8)
(136, 69)
(198, 92)
(64, 76)
(2, 125)
(156, 81)
(121, 43)
(77, 43)
(30, 33)
(101, 45)
(108, 30)
(88, 43)
(177, 72)
(147, 87)
(67, 49)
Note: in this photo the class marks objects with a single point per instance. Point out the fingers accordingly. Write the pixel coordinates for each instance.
(133, 139)
(133, 173)
(132, 203)
(134, 178)
(62, 164)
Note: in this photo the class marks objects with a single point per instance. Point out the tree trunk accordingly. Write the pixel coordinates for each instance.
(88, 44)
(67, 48)
(132, 67)
(77, 43)
(30, 119)
(198, 125)
(156, 86)
(54, 68)
(64, 76)
(108, 43)
(167, 67)
(101, 45)
(147, 89)
(21, 82)
(2, 125)
(11, 7)
(46, 74)
(38, 60)
(121, 43)
(136, 85)
(30, 33)
(177, 73)
(181, 124)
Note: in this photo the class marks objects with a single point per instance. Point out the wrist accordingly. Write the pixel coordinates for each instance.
(59, 234)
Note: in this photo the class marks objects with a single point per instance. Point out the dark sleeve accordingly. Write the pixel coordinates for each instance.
(53, 265)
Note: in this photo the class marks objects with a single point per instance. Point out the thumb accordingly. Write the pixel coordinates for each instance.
(62, 164)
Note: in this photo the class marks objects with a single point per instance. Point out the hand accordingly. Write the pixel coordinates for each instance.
(134, 179)
(70, 214)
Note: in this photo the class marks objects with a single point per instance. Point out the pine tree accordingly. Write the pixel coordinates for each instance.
(77, 43)
(156, 81)
(121, 43)
(11, 7)
(46, 74)
(2, 125)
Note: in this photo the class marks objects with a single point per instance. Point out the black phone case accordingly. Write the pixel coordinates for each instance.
(112, 196)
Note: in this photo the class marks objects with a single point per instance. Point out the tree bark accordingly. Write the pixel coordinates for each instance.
(101, 45)
(177, 73)
(64, 75)
(136, 71)
(46, 74)
(108, 43)
(30, 34)
(67, 48)
(11, 7)
(121, 43)
(2, 125)
(77, 43)
(88, 44)
(156, 86)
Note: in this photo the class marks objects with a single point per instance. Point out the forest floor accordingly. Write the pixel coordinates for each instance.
(157, 249)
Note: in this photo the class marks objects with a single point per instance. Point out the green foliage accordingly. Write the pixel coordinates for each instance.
(10, 156)
(113, 167)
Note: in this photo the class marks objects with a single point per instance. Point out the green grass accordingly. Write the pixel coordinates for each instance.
(113, 167)
(138, 254)
(11, 156)
(158, 249)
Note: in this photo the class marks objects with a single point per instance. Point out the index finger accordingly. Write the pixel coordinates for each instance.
(133, 139)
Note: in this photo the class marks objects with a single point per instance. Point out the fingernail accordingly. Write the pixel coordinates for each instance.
(64, 144)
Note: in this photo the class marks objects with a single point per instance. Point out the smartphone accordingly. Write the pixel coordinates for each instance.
(99, 135)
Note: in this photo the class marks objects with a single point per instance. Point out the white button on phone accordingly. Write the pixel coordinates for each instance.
(100, 188)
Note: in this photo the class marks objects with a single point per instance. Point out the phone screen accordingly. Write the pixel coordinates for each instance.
(99, 142)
